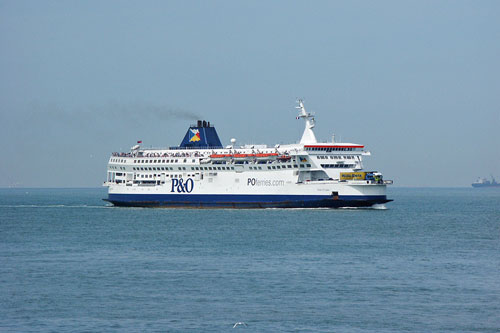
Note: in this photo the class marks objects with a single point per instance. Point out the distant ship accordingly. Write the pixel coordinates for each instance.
(483, 182)
(201, 173)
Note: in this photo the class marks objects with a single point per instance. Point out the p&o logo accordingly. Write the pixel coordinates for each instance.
(182, 186)
(194, 135)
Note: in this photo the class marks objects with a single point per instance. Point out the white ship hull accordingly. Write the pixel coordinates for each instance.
(247, 190)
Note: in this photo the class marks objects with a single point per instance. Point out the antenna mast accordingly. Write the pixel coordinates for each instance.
(308, 137)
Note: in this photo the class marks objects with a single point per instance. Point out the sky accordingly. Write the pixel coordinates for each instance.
(416, 82)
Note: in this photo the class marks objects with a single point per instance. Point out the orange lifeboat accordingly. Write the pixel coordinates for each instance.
(284, 158)
(266, 157)
(220, 156)
(243, 157)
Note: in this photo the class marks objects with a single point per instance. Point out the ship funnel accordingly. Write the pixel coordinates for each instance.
(201, 135)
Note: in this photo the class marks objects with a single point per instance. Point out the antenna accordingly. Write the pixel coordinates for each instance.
(308, 136)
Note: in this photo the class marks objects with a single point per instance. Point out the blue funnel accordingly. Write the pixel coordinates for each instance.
(201, 136)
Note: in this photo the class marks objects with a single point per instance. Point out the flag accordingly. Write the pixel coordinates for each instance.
(140, 141)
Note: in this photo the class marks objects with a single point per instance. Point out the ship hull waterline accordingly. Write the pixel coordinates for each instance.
(244, 201)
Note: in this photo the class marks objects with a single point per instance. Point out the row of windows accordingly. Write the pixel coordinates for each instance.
(328, 149)
(185, 160)
(157, 168)
(221, 162)
(212, 168)
(168, 176)
(328, 166)
(324, 157)
(183, 168)
(162, 161)
(222, 168)
(289, 166)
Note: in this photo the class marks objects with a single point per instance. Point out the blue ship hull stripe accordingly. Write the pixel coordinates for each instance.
(244, 200)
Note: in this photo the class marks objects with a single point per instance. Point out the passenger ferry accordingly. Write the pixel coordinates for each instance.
(202, 173)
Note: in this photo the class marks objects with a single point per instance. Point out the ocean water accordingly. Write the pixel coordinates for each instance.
(430, 262)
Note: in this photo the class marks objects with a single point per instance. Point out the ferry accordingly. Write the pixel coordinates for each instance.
(202, 173)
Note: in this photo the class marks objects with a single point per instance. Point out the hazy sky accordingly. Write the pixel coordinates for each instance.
(417, 82)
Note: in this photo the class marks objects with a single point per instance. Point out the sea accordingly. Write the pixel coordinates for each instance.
(427, 262)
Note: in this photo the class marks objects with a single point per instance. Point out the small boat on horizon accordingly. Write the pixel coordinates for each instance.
(483, 182)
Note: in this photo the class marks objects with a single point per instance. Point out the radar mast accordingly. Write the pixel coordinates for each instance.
(308, 137)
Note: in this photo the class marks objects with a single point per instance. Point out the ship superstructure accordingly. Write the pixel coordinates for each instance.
(202, 173)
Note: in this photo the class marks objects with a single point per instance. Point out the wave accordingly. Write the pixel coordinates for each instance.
(376, 207)
(56, 206)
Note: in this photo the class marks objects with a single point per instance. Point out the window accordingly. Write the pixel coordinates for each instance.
(308, 165)
(302, 165)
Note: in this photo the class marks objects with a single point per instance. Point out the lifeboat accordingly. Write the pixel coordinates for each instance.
(284, 158)
(221, 156)
(243, 157)
(266, 157)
